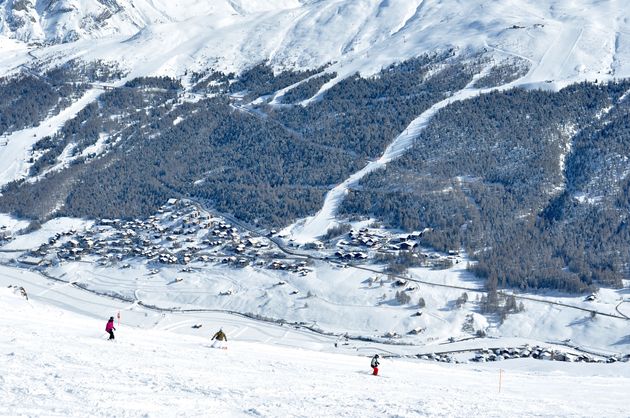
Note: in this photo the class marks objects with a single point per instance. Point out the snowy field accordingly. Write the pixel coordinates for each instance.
(57, 362)
(330, 298)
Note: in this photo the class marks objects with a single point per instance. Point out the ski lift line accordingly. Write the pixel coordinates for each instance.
(295, 136)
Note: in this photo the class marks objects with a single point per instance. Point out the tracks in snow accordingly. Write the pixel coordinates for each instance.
(308, 229)
(619, 311)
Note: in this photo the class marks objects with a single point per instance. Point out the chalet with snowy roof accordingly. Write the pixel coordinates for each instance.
(31, 260)
(407, 245)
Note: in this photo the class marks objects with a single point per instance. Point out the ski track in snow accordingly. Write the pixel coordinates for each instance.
(308, 229)
(56, 362)
(567, 41)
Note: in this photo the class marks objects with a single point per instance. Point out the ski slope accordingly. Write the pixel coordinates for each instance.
(306, 230)
(57, 362)
(15, 153)
(53, 355)
(562, 42)
(69, 20)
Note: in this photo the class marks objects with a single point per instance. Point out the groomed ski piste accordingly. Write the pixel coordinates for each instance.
(56, 361)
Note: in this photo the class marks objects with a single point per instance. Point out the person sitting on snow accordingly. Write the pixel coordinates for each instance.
(375, 364)
(110, 327)
(220, 340)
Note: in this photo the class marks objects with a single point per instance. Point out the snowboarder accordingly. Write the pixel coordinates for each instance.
(110, 327)
(220, 340)
(375, 364)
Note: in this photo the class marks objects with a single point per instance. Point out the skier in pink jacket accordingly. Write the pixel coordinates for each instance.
(110, 327)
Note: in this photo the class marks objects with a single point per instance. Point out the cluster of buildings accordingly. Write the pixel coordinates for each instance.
(543, 353)
(179, 234)
(5, 233)
(364, 243)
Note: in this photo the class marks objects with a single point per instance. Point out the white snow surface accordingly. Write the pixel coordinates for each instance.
(331, 298)
(69, 20)
(562, 39)
(56, 361)
(11, 223)
(53, 355)
(358, 300)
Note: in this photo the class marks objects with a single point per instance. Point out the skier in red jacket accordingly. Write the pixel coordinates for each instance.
(110, 327)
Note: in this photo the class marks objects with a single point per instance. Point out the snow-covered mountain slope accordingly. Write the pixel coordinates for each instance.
(58, 362)
(560, 39)
(15, 151)
(61, 21)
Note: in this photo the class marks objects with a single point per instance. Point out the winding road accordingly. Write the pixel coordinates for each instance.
(618, 310)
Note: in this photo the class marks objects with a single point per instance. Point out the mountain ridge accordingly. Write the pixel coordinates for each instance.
(562, 40)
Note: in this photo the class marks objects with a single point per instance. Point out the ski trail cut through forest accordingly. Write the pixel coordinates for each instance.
(308, 229)
(19, 143)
